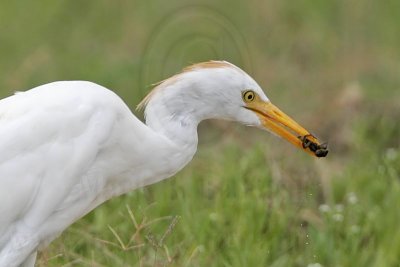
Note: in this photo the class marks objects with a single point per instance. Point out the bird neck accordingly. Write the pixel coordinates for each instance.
(173, 122)
(175, 108)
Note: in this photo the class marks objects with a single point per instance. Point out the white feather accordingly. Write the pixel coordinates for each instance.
(66, 147)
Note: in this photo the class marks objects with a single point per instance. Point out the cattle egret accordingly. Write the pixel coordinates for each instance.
(68, 146)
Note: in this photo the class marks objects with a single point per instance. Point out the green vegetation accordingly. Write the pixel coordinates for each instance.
(247, 198)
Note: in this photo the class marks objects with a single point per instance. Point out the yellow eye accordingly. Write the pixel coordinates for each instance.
(249, 96)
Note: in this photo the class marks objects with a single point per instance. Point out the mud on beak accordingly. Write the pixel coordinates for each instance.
(276, 121)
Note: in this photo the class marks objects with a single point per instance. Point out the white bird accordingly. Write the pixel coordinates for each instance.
(68, 146)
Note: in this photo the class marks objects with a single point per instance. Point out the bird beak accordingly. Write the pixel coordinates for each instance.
(276, 121)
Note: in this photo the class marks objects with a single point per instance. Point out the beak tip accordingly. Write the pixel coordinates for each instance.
(311, 143)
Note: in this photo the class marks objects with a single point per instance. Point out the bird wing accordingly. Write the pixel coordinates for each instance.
(49, 137)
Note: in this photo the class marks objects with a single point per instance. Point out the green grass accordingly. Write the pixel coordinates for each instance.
(247, 198)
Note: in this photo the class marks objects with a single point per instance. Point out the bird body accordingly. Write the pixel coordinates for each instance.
(67, 147)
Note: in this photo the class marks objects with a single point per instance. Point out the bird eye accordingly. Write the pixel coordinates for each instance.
(248, 96)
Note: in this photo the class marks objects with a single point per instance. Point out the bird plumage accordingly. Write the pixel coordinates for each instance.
(67, 147)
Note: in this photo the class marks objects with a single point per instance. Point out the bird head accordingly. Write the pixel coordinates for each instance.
(218, 89)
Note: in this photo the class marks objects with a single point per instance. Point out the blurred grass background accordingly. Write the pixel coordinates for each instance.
(247, 199)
